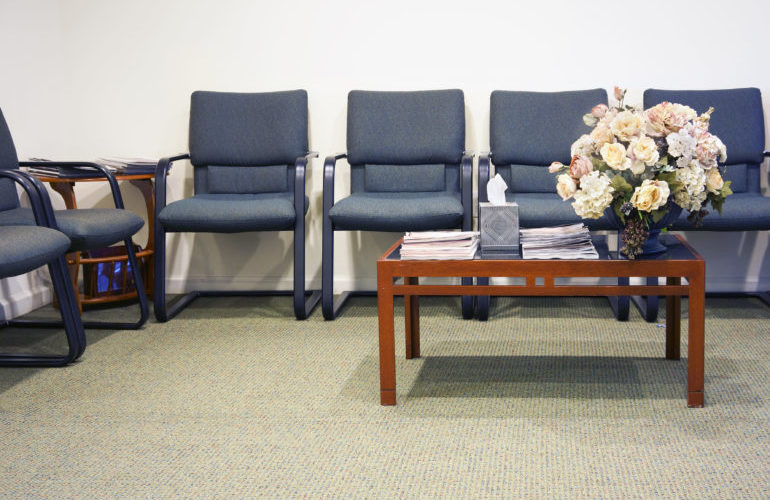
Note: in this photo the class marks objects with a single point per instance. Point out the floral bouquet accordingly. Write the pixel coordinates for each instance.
(643, 167)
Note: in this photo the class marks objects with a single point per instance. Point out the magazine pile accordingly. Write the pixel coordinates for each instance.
(129, 165)
(440, 245)
(572, 241)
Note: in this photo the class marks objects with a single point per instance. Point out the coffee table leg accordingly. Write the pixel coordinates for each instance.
(695, 346)
(387, 338)
(412, 321)
(673, 321)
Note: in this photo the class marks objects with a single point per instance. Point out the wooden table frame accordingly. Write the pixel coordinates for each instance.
(693, 269)
(65, 186)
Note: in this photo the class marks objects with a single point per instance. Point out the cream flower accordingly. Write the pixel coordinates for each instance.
(565, 186)
(601, 135)
(650, 196)
(693, 180)
(666, 118)
(614, 155)
(594, 195)
(714, 181)
(583, 146)
(599, 110)
(645, 150)
(627, 125)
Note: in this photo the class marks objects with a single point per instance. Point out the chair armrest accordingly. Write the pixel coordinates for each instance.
(38, 196)
(161, 171)
(766, 154)
(466, 166)
(484, 175)
(101, 170)
(328, 191)
(299, 182)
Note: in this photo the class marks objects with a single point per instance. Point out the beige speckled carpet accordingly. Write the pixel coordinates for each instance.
(549, 399)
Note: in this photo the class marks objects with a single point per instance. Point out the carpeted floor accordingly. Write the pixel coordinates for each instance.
(549, 399)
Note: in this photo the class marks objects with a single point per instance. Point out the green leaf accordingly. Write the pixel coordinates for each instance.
(726, 191)
(620, 184)
(616, 208)
(657, 215)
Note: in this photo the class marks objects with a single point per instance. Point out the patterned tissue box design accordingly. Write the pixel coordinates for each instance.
(499, 230)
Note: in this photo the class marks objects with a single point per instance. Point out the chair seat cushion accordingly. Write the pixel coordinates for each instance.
(398, 211)
(24, 248)
(87, 228)
(230, 213)
(741, 212)
(548, 209)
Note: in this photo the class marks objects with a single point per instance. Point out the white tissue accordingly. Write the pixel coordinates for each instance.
(496, 190)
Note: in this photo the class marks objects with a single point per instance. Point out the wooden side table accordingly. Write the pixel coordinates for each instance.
(65, 186)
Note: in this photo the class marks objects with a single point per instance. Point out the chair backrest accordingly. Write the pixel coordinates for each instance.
(529, 130)
(9, 198)
(405, 141)
(738, 120)
(247, 142)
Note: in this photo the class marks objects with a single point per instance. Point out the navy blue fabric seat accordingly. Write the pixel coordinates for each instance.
(24, 248)
(408, 172)
(86, 229)
(249, 152)
(738, 120)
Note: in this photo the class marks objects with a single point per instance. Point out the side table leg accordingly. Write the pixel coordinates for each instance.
(696, 343)
(412, 321)
(387, 338)
(673, 321)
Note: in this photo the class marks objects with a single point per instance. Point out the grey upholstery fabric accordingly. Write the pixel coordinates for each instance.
(246, 180)
(230, 213)
(548, 209)
(246, 129)
(397, 211)
(405, 128)
(24, 248)
(8, 161)
(537, 128)
(740, 212)
(86, 228)
(738, 118)
(404, 178)
(528, 178)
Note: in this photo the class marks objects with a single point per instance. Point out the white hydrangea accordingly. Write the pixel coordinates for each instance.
(594, 195)
(694, 193)
(584, 146)
(681, 144)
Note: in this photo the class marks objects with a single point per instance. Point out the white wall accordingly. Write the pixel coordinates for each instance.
(84, 78)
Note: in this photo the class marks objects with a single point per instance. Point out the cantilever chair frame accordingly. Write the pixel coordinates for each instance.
(332, 307)
(131, 253)
(304, 301)
(62, 284)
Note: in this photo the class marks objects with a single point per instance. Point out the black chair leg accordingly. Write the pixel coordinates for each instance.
(482, 301)
(73, 326)
(303, 306)
(648, 304)
(467, 301)
(620, 304)
(327, 272)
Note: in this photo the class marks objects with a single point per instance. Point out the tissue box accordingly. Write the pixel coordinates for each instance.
(499, 227)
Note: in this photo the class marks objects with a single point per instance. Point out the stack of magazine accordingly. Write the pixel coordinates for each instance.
(129, 166)
(64, 172)
(560, 242)
(440, 245)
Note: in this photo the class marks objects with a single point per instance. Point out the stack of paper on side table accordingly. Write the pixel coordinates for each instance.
(559, 242)
(440, 245)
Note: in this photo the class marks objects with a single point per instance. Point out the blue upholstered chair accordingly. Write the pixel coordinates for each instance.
(738, 120)
(24, 248)
(408, 172)
(528, 131)
(87, 229)
(249, 152)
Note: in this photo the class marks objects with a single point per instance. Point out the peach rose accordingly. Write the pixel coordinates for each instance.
(601, 134)
(580, 166)
(555, 167)
(714, 181)
(599, 110)
(614, 155)
(627, 125)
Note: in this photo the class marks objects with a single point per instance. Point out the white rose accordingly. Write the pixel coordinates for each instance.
(615, 156)
(627, 125)
(565, 186)
(594, 195)
(651, 195)
(584, 146)
(645, 150)
(714, 181)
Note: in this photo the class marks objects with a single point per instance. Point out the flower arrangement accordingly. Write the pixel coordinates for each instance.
(644, 164)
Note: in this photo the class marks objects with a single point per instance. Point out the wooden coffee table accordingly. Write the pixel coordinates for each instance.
(680, 261)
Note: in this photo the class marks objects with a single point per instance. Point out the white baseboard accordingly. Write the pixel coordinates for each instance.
(24, 301)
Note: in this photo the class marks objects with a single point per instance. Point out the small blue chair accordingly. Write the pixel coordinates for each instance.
(408, 172)
(86, 229)
(249, 153)
(24, 248)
